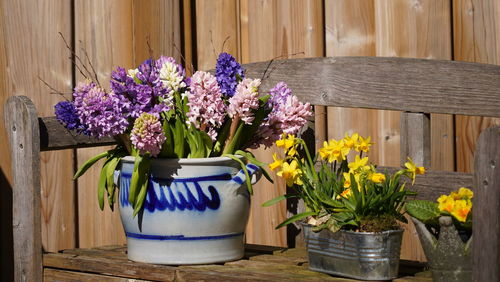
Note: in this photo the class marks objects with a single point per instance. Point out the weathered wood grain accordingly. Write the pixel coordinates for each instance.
(104, 30)
(50, 274)
(21, 119)
(40, 53)
(273, 29)
(401, 84)
(216, 31)
(264, 264)
(486, 242)
(157, 23)
(433, 184)
(350, 31)
(415, 139)
(475, 28)
(54, 136)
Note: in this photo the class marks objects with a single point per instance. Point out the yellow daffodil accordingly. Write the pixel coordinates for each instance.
(291, 173)
(334, 150)
(363, 145)
(414, 169)
(277, 162)
(347, 180)
(359, 164)
(351, 141)
(346, 193)
(288, 142)
(377, 177)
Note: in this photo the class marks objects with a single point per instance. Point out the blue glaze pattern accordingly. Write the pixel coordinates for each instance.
(176, 194)
(180, 237)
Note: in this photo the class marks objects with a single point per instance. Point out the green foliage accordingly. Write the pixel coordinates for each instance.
(334, 202)
(424, 211)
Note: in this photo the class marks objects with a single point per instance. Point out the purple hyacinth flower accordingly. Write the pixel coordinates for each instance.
(228, 72)
(66, 114)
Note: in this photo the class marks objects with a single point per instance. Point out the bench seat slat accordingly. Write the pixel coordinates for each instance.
(54, 136)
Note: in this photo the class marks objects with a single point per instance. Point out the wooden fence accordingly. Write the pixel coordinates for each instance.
(117, 33)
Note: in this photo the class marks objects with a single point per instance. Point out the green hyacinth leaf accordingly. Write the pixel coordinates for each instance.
(101, 186)
(134, 181)
(90, 163)
(144, 171)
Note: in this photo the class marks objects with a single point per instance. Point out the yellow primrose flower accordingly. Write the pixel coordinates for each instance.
(446, 203)
(291, 173)
(363, 145)
(377, 177)
(461, 209)
(465, 193)
(277, 162)
(414, 169)
(351, 141)
(358, 164)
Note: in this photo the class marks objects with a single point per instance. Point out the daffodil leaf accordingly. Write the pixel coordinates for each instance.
(277, 199)
(296, 217)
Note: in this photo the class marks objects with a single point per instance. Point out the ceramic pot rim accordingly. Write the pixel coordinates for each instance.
(186, 161)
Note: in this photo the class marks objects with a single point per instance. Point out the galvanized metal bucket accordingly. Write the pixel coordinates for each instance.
(360, 255)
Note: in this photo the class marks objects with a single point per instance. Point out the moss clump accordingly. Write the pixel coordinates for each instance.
(378, 223)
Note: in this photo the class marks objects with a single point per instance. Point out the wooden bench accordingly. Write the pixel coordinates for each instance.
(415, 87)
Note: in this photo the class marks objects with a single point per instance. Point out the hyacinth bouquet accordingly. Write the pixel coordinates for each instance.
(156, 111)
(340, 188)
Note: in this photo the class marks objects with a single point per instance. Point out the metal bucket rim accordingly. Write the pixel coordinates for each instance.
(362, 233)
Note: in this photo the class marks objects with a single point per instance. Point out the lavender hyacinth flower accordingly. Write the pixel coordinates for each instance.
(66, 114)
(227, 71)
(141, 87)
(103, 114)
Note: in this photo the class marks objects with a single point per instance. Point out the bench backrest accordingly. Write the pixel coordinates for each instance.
(414, 86)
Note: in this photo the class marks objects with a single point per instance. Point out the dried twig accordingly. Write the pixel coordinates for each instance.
(150, 50)
(224, 43)
(55, 91)
(90, 63)
(75, 56)
(276, 58)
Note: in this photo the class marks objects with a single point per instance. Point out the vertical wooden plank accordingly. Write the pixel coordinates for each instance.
(156, 22)
(476, 25)
(39, 22)
(6, 238)
(272, 29)
(104, 29)
(415, 138)
(419, 29)
(21, 118)
(486, 242)
(216, 23)
(350, 31)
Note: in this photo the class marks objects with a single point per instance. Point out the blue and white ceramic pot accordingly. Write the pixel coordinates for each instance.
(195, 211)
